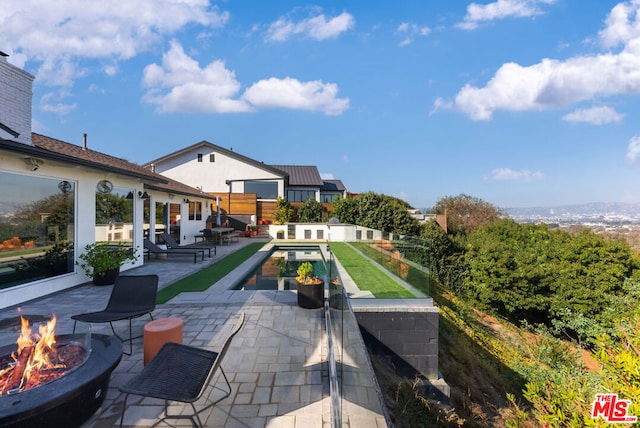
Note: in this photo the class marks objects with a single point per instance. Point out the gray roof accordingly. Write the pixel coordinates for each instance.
(332, 186)
(301, 175)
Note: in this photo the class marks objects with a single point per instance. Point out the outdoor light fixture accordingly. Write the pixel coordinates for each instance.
(186, 200)
(33, 163)
(144, 195)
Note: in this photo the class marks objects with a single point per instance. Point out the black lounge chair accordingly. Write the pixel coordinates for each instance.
(132, 296)
(154, 249)
(180, 373)
(171, 243)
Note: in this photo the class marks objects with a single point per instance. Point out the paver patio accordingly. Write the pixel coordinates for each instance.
(277, 364)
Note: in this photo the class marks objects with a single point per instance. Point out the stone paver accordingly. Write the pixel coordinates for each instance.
(277, 364)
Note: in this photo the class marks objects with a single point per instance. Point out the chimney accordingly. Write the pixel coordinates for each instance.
(84, 141)
(16, 91)
(153, 167)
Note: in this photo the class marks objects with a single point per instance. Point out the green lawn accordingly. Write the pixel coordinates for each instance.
(366, 275)
(362, 271)
(208, 276)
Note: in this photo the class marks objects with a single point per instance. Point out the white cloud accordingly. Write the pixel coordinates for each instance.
(633, 151)
(60, 35)
(53, 102)
(508, 174)
(620, 26)
(327, 176)
(294, 94)
(410, 31)
(594, 115)
(500, 9)
(554, 83)
(180, 84)
(316, 27)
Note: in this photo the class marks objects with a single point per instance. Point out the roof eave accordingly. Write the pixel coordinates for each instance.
(22, 148)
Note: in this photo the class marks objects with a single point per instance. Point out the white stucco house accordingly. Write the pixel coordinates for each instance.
(56, 197)
(247, 187)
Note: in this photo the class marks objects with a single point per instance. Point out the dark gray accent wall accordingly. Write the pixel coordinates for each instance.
(407, 327)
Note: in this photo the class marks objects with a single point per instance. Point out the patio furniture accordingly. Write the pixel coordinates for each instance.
(180, 373)
(171, 243)
(154, 249)
(158, 332)
(132, 296)
(232, 236)
(209, 236)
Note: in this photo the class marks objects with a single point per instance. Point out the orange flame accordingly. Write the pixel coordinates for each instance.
(39, 354)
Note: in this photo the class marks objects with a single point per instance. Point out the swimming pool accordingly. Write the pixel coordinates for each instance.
(278, 270)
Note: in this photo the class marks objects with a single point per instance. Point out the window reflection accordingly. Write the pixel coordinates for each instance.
(37, 227)
(114, 216)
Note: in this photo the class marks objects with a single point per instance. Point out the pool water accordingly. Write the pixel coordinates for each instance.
(278, 271)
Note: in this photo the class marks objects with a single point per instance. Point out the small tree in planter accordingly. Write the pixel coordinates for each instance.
(310, 287)
(284, 211)
(102, 261)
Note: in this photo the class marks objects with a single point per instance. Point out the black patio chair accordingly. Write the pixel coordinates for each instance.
(209, 236)
(154, 249)
(171, 243)
(132, 296)
(181, 373)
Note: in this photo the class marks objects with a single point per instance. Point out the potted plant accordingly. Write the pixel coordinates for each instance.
(101, 261)
(310, 287)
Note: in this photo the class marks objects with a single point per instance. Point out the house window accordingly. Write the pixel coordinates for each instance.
(195, 210)
(199, 157)
(329, 197)
(37, 228)
(114, 215)
(212, 158)
(262, 189)
(300, 195)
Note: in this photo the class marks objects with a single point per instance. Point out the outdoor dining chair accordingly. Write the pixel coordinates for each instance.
(181, 373)
(132, 296)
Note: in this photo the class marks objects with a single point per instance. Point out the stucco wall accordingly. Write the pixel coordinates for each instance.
(211, 176)
(85, 215)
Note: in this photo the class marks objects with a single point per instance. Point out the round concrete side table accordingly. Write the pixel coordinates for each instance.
(159, 332)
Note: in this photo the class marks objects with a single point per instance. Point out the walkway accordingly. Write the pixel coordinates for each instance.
(277, 364)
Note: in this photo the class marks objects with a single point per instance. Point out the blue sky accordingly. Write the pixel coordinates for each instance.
(519, 102)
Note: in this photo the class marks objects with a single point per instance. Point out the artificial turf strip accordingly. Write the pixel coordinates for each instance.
(208, 276)
(367, 275)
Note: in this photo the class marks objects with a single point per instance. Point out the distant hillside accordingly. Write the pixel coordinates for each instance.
(597, 212)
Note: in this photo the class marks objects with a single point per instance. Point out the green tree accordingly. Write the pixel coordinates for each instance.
(310, 211)
(345, 210)
(284, 211)
(446, 261)
(466, 213)
(377, 211)
(385, 213)
(567, 282)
